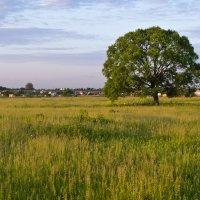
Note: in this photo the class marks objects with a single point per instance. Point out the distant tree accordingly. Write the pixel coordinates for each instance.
(2, 88)
(190, 92)
(18, 92)
(150, 60)
(68, 92)
(29, 86)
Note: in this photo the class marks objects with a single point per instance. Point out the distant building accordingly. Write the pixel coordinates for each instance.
(11, 95)
(42, 91)
(80, 93)
(94, 93)
(197, 93)
(52, 93)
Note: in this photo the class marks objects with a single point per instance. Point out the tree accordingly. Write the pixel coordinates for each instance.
(29, 86)
(2, 88)
(68, 92)
(150, 60)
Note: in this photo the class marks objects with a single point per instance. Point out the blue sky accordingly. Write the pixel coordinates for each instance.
(63, 43)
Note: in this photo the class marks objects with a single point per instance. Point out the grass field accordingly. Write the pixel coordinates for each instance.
(87, 148)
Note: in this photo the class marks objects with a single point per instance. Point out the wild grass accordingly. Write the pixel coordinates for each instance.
(87, 148)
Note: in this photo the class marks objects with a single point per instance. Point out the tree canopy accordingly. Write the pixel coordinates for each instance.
(150, 61)
(29, 86)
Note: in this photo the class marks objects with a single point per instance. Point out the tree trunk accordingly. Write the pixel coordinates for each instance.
(155, 98)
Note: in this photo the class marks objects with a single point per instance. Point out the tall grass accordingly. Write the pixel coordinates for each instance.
(88, 148)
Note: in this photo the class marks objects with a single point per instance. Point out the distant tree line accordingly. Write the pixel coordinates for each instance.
(30, 91)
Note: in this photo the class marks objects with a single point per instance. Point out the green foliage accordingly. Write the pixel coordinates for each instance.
(29, 86)
(86, 148)
(151, 60)
(68, 92)
(190, 92)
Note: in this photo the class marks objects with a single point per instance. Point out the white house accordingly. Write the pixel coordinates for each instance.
(52, 94)
(197, 93)
(42, 91)
(11, 95)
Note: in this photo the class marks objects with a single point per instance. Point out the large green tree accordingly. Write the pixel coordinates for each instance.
(150, 60)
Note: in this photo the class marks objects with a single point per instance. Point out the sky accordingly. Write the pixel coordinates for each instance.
(63, 43)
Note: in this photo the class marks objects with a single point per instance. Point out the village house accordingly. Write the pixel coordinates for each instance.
(52, 93)
(94, 92)
(80, 92)
(42, 91)
(1, 94)
(11, 96)
(197, 93)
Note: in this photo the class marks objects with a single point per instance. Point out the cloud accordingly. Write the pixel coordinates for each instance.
(44, 48)
(194, 32)
(53, 70)
(25, 36)
(16, 5)
(73, 3)
(8, 5)
(81, 59)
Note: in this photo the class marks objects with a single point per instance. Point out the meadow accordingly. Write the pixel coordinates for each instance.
(87, 148)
